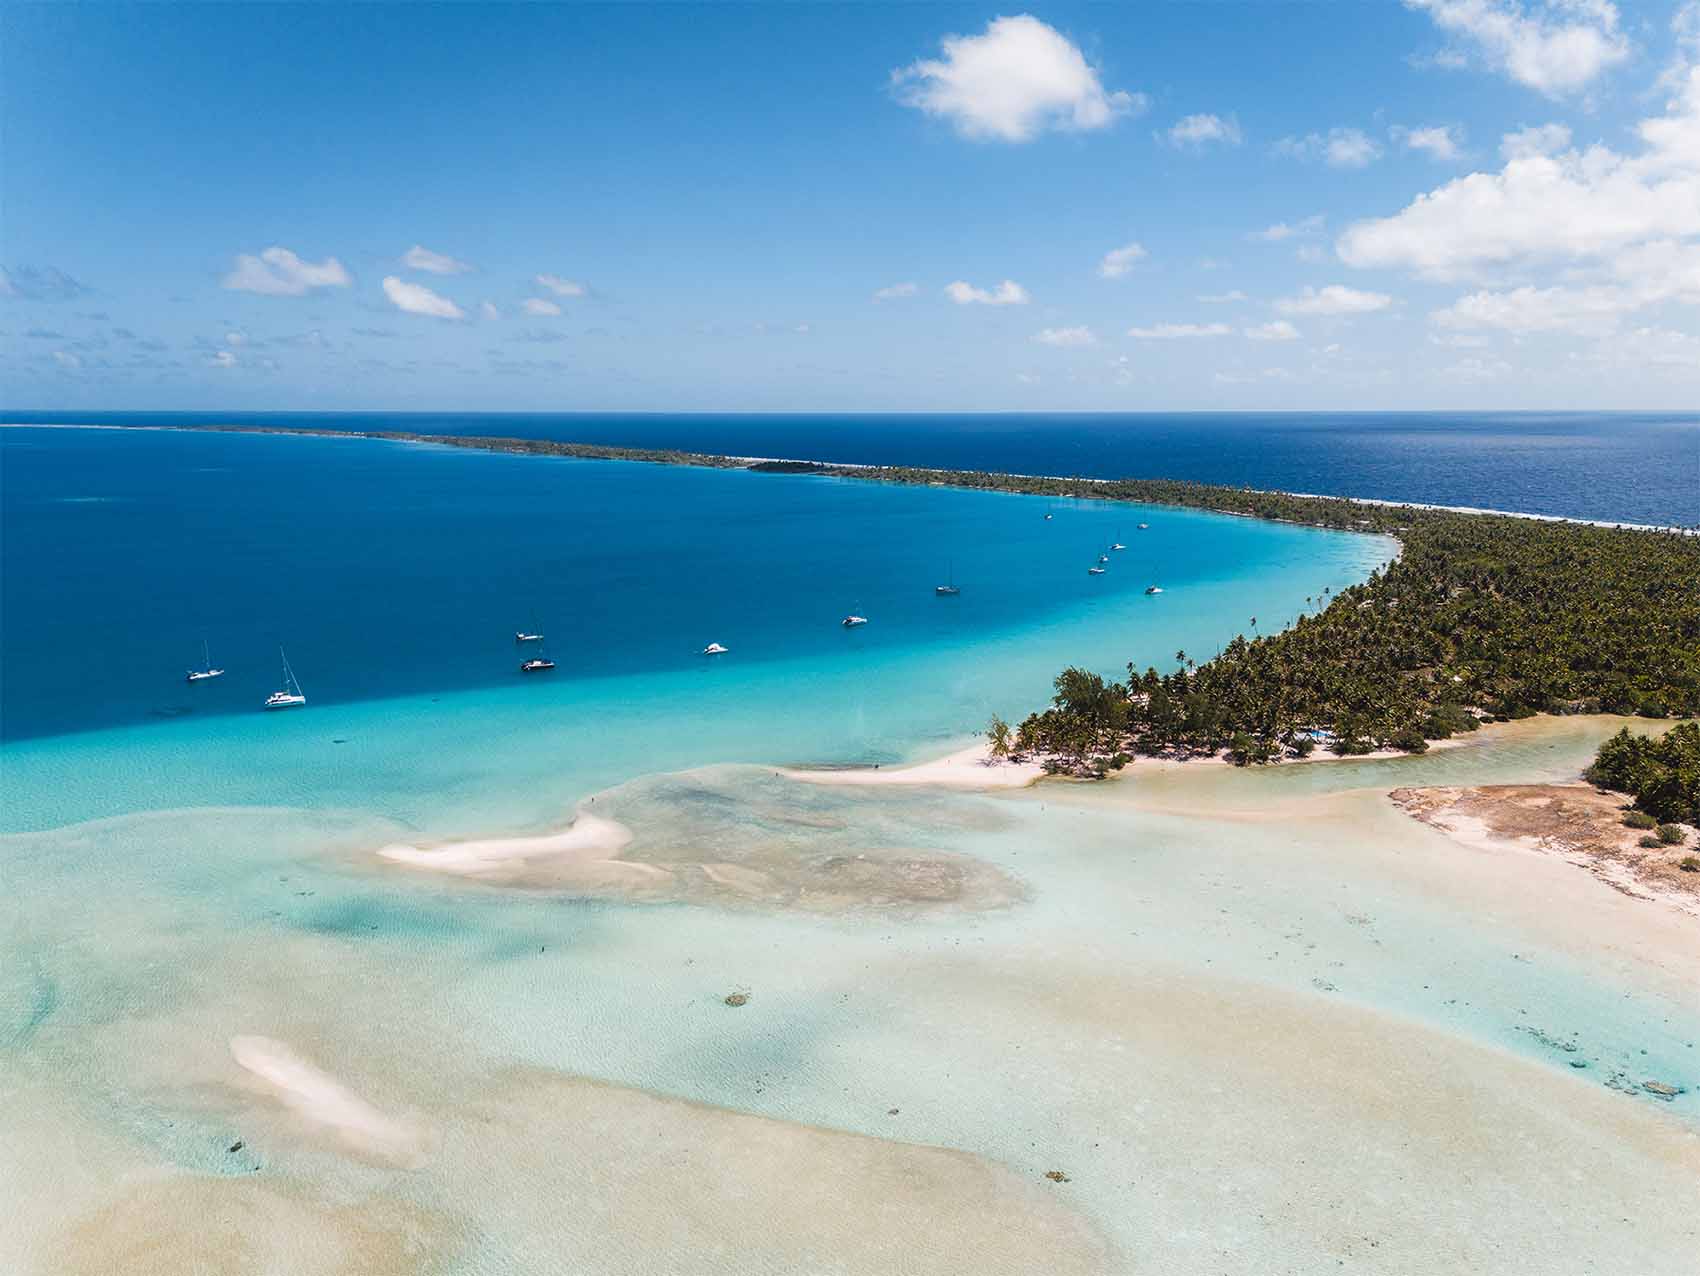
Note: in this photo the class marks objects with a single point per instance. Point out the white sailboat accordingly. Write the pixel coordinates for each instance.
(289, 697)
(948, 589)
(852, 620)
(1118, 542)
(206, 670)
(715, 649)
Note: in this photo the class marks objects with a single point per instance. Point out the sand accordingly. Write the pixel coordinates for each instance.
(971, 768)
(588, 841)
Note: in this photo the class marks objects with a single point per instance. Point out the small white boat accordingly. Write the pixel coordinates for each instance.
(1116, 546)
(1094, 571)
(206, 670)
(1153, 589)
(1103, 558)
(537, 664)
(715, 649)
(948, 589)
(290, 696)
(520, 636)
(1144, 526)
(850, 622)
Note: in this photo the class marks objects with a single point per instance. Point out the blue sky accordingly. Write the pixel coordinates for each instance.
(1429, 204)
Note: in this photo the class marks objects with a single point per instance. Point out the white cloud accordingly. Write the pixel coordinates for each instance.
(222, 359)
(1557, 47)
(1201, 130)
(1474, 369)
(1284, 230)
(277, 272)
(539, 306)
(1335, 299)
(1118, 261)
(1179, 331)
(421, 258)
(891, 292)
(417, 299)
(67, 359)
(1437, 141)
(489, 310)
(1278, 330)
(1621, 231)
(1015, 80)
(235, 337)
(1008, 293)
(561, 287)
(1222, 298)
(1536, 140)
(1080, 336)
(1338, 148)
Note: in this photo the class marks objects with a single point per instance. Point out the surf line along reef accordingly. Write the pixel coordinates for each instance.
(1482, 616)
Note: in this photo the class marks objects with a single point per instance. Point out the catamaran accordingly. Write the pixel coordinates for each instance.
(206, 670)
(290, 696)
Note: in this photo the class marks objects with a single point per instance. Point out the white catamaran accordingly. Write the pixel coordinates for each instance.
(206, 670)
(289, 697)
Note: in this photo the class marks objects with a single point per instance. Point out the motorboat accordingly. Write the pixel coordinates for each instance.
(537, 664)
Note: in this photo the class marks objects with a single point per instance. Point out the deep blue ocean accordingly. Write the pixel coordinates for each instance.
(1635, 467)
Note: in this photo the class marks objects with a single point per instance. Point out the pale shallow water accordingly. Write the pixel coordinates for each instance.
(1261, 1019)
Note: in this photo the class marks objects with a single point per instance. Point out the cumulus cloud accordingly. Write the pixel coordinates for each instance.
(891, 292)
(539, 306)
(1437, 141)
(1338, 148)
(1118, 261)
(489, 310)
(277, 272)
(1179, 331)
(1278, 330)
(1200, 130)
(417, 299)
(1281, 231)
(1335, 299)
(1079, 336)
(1555, 47)
(561, 287)
(1008, 293)
(421, 258)
(1015, 80)
(221, 359)
(1621, 230)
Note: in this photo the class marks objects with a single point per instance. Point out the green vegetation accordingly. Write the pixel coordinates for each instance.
(1639, 820)
(1663, 775)
(1672, 834)
(1482, 617)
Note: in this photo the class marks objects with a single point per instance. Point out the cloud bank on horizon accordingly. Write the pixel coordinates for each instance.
(1011, 215)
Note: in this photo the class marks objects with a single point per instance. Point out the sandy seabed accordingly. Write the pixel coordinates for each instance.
(1190, 1020)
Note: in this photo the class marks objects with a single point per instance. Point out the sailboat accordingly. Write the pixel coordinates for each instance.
(1118, 542)
(948, 589)
(540, 663)
(521, 636)
(715, 649)
(206, 670)
(852, 620)
(290, 696)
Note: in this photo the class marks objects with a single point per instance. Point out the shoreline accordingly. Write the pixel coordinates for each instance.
(728, 460)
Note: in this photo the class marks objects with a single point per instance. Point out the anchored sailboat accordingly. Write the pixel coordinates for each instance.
(948, 589)
(289, 697)
(206, 670)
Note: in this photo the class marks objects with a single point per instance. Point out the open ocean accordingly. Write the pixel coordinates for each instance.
(1633, 467)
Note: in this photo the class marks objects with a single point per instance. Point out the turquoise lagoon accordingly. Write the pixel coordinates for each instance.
(1262, 1020)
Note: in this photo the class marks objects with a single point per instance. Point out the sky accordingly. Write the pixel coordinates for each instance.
(1365, 204)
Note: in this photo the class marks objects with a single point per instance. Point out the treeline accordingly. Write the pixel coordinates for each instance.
(1662, 775)
(1481, 617)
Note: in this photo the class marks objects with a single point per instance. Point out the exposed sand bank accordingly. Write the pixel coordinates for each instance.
(969, 768)
(1575, 822)
(726, 836)
(327, 1104)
